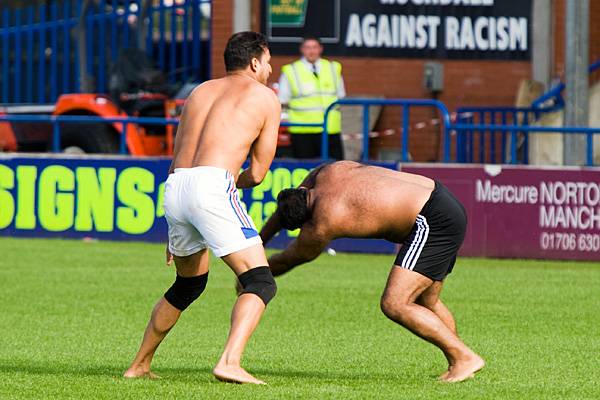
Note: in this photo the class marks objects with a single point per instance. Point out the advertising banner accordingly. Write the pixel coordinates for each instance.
(522, 212)
(513, 211)
(116, 198)
(441, 29)
(121, 198)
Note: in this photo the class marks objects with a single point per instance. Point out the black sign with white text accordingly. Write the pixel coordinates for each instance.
(442, 29)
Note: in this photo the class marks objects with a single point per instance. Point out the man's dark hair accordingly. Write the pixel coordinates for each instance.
(292, 208)
(311, 37)
(242, 47)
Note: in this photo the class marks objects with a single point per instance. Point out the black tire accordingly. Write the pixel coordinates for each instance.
(90, 138)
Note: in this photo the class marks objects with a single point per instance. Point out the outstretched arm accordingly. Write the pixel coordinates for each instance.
(270, 228)
(306, 247)
(273, 226)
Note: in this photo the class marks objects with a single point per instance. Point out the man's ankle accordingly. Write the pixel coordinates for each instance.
(229, 361)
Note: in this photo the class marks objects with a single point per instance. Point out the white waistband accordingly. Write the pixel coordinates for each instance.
(204, 168)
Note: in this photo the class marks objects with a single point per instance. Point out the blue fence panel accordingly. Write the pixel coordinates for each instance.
(54, 49)
(513, 130)
(18, 60)
(41, 85)
(66, 59)
(5, 56)
(29, 60)
(40, 51)
(474, 141)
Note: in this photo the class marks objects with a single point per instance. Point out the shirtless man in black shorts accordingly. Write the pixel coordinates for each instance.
(348, 199)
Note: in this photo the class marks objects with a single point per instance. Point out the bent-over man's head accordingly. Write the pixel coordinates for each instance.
(292, 208)
(248, 51)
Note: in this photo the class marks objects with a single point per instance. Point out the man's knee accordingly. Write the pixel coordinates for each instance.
(184, 290)
(259, 281)
(393, 308)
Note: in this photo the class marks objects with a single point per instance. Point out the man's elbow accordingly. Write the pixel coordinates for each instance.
(256, 177)
(255, 180)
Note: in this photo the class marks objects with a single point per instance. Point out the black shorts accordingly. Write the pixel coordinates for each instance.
(430, 248)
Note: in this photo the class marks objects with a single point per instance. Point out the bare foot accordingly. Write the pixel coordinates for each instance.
(463, 370)
(234, 374)
(139, 372)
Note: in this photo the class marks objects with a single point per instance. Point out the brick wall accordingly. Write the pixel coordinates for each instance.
(222, 27)
(466, 83)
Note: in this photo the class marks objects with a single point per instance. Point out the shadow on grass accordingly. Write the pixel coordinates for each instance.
(95, 370)
(289, 373)
(59, 368)
(184, 373)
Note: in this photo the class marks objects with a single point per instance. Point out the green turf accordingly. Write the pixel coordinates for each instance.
(72, 315)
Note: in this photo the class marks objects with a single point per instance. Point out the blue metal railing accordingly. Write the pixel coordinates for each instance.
(56, 120)
(40, 52)
(492, 146)
(365, 103)
(515, 129)
(406, 104)
(486, 142)
(460, 128)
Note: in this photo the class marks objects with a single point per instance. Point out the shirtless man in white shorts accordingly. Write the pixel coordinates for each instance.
(223, 122)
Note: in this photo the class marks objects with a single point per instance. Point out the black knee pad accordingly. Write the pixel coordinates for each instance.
(185, 290)
(260, 282)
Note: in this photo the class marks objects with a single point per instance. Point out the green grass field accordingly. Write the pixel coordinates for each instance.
(72, 315)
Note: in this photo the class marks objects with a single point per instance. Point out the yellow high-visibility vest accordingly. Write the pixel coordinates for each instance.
(311, 95)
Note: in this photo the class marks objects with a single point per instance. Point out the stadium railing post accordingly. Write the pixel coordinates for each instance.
(590, 148)
(513, 146)
(446, 133)
(5, 55)
(18, 58)
(405, 117)
(325, 133)
(55, 135)
(123, 138)
(365, 155)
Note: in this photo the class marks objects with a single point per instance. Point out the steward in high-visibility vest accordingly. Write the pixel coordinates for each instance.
(311, 94)
(307, 87)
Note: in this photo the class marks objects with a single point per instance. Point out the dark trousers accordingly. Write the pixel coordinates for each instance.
(308, 145)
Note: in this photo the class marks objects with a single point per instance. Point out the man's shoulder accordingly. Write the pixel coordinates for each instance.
(264, 92)
(340, 166)
(262, 99)
(210, 83)
(205, 86)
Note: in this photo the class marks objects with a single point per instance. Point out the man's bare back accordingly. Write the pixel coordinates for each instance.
(354, 200)
(221, 121)
(347, 199)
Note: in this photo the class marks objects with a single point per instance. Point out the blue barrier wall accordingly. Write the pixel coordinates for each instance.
(121, 198)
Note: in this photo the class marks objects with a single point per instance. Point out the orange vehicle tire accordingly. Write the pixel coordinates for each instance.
(89, 138)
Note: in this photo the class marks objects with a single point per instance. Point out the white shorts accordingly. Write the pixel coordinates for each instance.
(203, 209)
